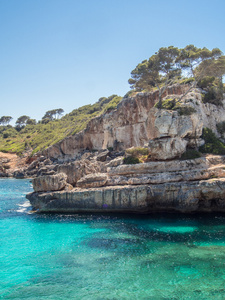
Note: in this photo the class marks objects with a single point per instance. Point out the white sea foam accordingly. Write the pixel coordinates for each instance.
(24, 206)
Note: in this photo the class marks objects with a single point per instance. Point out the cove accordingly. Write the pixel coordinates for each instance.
(107, 256)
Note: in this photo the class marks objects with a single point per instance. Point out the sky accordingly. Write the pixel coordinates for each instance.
(69, 53)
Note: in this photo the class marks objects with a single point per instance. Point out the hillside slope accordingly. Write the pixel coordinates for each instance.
(38, 137)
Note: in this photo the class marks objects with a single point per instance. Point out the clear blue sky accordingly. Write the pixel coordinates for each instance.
(68, 53)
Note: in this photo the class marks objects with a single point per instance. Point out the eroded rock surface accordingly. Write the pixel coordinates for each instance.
(92, 180)
(176, 185)
(181, 196)
(50, 182)
(99, 181)
(136, 122)
(167, 148)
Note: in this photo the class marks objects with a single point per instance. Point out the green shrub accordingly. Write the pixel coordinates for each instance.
(168, 104)
(186, 110)
(112, 104)
(135, 151)
(187, 80)
(212, 143)
(5, 135)
(8, 131)
(172, 104)
(131, 160)
(205, 82)
(221, 127)
(138, 155)
(213, 88)
(129, 94)
(3, 150)
(190, 154)
(214, 94)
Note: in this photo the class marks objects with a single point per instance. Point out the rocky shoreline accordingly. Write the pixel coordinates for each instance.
(196, 185)
(185, 197)
(87, 172)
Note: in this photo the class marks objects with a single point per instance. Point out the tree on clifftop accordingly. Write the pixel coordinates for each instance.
(4, 120)
(53, 114)
(170, 65)
(31, 122)
(22, 121)
(159, 71)
(198, 64)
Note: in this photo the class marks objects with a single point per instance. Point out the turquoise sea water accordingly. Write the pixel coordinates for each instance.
(94, 256)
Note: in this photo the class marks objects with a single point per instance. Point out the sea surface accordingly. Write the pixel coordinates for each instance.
(95, 256)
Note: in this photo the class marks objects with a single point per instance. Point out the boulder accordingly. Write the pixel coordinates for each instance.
(47, 161)
(167, 148)
(78, 169)
(93, 180)
(115, 162)
(46, 183)
(33, 165)
(68, 187)
(46, 170)
(19, 174)
(166, 122)
(73, 170)
(102, 156)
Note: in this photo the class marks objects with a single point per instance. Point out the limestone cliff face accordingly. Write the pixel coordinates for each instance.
(99, 181)
(137, 122)
(133, 123)
(201, 196)
(176, 185)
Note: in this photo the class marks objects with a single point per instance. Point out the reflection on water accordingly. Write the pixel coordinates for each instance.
(87, 256)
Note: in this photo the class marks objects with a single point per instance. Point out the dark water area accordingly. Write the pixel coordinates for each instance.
(113, 256)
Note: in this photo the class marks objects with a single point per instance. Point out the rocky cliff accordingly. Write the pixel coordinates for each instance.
(136, 121)
(186, 186)
(81, 179)
(130, 124)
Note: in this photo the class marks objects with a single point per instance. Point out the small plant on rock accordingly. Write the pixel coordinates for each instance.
(172, 104)
(190, 154)
(131, 160)
(212, 143)
(221, 127)
(136, 155)
(135, 151)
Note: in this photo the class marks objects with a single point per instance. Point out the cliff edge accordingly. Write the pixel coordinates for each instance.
(86, 172)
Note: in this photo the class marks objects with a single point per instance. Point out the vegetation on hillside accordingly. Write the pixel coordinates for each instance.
(173, 65)
(29, 135)
(197, 67)
(172, 104)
